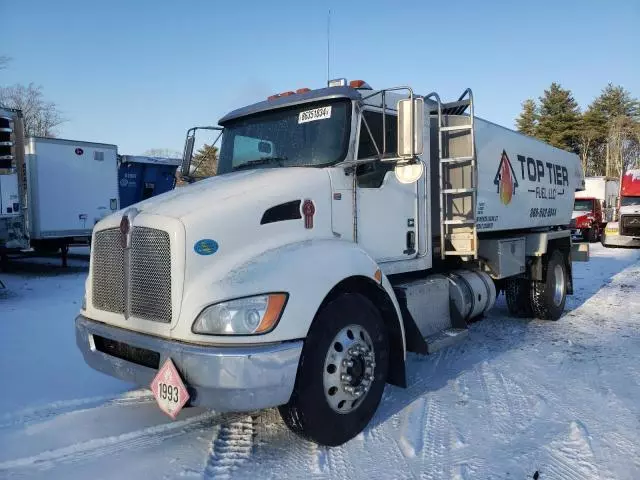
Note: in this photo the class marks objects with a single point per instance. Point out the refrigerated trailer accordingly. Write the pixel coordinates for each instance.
(345, 227)
(72, 185)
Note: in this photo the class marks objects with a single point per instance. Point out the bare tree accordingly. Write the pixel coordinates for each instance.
(40, 116)
(4, 61)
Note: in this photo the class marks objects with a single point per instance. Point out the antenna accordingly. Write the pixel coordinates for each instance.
(328, 45)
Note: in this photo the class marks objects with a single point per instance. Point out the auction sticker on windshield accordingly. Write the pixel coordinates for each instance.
(169, 390)
(315, 114)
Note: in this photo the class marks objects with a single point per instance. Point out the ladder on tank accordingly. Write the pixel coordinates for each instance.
(458, 176)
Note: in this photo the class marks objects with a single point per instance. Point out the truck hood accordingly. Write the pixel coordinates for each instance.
(577, 214)
(232, 190)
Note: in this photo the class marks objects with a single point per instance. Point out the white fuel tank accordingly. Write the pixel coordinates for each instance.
(471, 292)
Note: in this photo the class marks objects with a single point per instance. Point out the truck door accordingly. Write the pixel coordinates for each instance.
(387, 209)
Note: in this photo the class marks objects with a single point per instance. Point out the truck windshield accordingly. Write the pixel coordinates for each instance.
(583, 206)
(629, 201)
(309, 135)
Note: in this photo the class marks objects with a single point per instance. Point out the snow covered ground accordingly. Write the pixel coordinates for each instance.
(561, 398)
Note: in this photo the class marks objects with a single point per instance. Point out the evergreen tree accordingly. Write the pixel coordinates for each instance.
(528, 119)
(615, 101)
(205, 161)
(559, 118)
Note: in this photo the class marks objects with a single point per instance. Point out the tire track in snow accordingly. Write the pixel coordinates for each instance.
(44, 412)
(437, 442)
(231, 447)
(500, 407)
(113, 445)
(571, 458)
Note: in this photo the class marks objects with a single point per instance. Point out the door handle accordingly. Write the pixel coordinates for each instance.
(411, 243)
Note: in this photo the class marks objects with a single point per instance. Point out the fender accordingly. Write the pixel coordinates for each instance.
(306, 270)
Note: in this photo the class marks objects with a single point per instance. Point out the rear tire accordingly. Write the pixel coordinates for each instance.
(518, 294)
(592, 235)
(309, 412)
(549, 296)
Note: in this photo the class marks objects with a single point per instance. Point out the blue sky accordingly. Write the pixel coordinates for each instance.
(139, 73)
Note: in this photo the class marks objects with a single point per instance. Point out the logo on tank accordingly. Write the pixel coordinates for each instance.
(505, 179)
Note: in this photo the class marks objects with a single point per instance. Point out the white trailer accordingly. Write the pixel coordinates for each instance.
(345, 228)
(604, 189)
(72, 185)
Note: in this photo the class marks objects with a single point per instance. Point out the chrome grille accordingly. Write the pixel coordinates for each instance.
(108, 272)
(143, 289)
(150, 277)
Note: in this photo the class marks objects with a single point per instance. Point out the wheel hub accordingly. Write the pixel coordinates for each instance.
(349, 369)
(559, 285)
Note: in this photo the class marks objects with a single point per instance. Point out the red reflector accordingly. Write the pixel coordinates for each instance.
(303, 90)
(286, 94)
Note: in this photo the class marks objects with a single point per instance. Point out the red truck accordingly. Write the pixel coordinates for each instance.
(594, 207)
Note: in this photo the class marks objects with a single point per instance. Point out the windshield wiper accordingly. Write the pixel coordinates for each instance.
(262, 161)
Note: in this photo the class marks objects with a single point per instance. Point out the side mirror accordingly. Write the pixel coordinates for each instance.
(187, 154)
(410, 128)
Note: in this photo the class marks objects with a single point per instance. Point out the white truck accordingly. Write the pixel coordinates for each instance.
(13, 233)
(345, 228)
(625, 232)
(71, 186)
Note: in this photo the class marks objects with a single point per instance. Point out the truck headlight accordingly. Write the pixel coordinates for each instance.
(244, 316)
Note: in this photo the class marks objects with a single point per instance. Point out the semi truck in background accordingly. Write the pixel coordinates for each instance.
(346, 227)
(594, 207)
(13, 217)
(53, 191)
(625, 232)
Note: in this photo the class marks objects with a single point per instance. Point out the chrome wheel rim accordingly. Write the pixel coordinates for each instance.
(349, 369)
(558, 279)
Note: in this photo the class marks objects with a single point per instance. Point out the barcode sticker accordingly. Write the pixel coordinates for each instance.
(315, 114)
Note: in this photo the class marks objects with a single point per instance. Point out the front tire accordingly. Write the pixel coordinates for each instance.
(342, 372)
(549, 296)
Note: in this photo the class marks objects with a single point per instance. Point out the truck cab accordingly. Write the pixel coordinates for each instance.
(587, 219)
(345, 227)
(626, 231)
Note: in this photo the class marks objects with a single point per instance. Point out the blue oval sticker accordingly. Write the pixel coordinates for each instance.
(206, 247)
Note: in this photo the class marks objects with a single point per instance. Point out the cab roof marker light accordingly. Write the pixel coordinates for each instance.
(273, 97)
(303, 90)
(287, 94)
(360, 84)
(337, 82)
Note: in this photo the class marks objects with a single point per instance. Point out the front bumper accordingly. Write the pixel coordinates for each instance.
(620, 240)
(241, 378)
